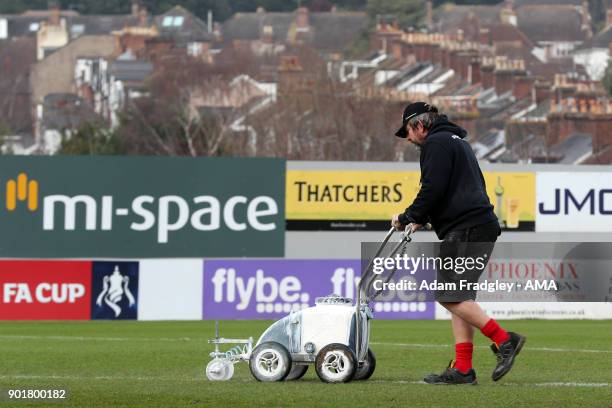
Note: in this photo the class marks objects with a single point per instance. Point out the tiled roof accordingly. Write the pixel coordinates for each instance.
(183, 26)
(573, 149)
(331, 31)
(551, 23)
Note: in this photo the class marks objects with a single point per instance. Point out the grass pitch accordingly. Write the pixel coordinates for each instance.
(161, 364)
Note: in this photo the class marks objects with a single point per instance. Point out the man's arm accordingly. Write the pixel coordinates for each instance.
(435, 174)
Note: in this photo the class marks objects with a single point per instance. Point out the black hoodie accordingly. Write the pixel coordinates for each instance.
(453, 193)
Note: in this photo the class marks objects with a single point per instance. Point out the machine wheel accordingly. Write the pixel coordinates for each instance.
(297, 372)
(219, 369)
(270, 361)
(336, 363)
(367, 369)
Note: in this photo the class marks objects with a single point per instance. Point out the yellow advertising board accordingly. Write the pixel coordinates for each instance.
(513, 196)
(358, 199)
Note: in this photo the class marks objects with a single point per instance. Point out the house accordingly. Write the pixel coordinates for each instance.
(54, 28)
(106, 85)
(327, 32)
(59, 115)
(594, 54)
(28, 23)
(449, 18)
(555, 29)
(186, 31)
(55, 73)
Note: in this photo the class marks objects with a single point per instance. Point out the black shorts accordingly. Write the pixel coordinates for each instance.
(474, 243)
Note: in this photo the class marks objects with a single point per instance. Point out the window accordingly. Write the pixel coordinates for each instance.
(76, 30)
(178, 21)
(194, 49)
(3, 28)
(173, 21)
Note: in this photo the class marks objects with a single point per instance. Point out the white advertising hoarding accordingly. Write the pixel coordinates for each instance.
(544, 310)
(574, 202)
(170, 289)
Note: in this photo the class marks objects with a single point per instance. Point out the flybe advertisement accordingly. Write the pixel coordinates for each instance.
(56, 207)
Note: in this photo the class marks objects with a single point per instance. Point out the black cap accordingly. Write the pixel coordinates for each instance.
(412, 110)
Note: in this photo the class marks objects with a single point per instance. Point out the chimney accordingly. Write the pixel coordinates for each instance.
(460, 35)
(507, 16)
(463, 64)
(506, 73)
(484, 35)
(609, 17)
(261, 10)
(523, 87)
(267, 35)
(302, 18)
(143, 17)
(135, 8)
(474, 75)
(586, 19)
(541, 91)
(429, 15)
(437, 57)
(486, 72)
(54, 17)
(209, 21)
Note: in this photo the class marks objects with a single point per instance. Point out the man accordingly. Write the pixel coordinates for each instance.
(453, 199)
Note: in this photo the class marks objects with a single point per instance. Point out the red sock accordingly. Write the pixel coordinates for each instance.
(463, 356)
(493, 331)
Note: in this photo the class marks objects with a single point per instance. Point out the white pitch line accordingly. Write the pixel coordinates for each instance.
(201, 339)
(95, 338)
(564, 384)
(144, 378)
(446, 346)
(103, 377)
(547, 384)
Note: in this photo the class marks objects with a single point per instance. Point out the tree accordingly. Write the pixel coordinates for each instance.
(90, 139)
(326, 120)
(408, 13)
(597, 10)
(168, 121)
(16, 57)
(607, 78)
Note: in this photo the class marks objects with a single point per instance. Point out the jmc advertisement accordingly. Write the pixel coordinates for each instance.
(575, 202)
(141, 207)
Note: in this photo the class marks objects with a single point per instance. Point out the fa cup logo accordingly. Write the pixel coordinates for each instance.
(115, 286)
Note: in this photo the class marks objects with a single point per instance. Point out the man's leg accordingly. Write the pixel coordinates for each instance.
(506, 345)
(463, 332)
(464, 343)
(472, 313)
(460, 371)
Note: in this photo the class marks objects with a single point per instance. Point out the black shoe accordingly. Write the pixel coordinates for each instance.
(452, 376)
(506, 353)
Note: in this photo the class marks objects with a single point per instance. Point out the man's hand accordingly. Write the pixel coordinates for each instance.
(416, 227)
(395, 223)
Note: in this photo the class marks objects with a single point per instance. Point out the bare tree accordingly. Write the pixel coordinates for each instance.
(15, 59)
(167, 122)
